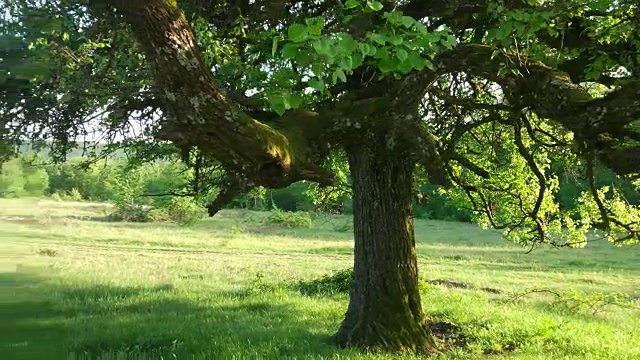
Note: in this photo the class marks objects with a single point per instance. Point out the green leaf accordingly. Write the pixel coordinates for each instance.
(429, 64)
(346, 63)
(416, 61)
(274, 46)
(448, 41)
(347, 43)
(407, 21)
(316, 84)
(350, 4)
(378, 38)
(405, 67)
(388, 64)
(317, 68)
(324, 47)
(289, 51)
(382, 53)
(293, 101)
(315, 25)
(504, 31)
(402, 54)
(297, 33)
(304, 58)
(339, 74)
(356, 60)
(277, 103)
(396, 40)
(364, 48)
(374, 5)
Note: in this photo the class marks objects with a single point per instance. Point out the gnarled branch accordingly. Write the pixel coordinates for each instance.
(203, 116)
(551, 94)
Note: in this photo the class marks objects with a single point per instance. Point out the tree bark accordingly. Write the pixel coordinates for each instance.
(384, 313)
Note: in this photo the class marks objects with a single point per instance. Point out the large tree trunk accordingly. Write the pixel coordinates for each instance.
(384, 312)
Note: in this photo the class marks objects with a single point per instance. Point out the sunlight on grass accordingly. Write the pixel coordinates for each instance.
(74, 286)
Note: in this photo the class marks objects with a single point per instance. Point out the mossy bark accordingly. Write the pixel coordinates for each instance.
(200, 114)
(384, 313)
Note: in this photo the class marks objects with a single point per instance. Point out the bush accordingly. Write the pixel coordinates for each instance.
(74, 195)
(56, 197)
(438, 206)
(184, 211)
(290, 219)
(11, 179)
(93, 183)
(338, 282)
(36, 179)
(158, 215)
(130, 212)
(343, 227)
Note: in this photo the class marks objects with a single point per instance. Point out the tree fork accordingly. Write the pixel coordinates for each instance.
(202, 115)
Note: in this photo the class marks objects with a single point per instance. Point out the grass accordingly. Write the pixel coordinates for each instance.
(73, 287)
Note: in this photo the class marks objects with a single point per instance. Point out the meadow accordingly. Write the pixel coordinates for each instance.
(73, 286)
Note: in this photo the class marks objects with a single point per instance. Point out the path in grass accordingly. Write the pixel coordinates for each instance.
(222, 288)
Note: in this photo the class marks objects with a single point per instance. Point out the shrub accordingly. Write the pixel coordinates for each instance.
(158, 215)
(129, 206)
(184, 211)
(130, 212)
(338, 282)
(290, 219)
(11, 179)
(36, 179)
(91, 182)
(74, 195)
(344, 227)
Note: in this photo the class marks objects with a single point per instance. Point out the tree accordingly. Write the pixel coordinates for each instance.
(477, 96)
(12, 181)
(36, 179)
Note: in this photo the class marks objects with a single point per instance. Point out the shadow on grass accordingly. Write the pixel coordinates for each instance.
(54, 321)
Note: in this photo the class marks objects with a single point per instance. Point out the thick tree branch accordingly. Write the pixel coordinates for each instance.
(234, 186)
(428, 154)
(202, 115)
(551, 94)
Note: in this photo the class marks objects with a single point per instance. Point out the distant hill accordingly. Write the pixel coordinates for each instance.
(82, 150)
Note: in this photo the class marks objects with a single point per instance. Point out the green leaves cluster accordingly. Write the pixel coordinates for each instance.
(326, 58)
(517, 25)
(625, 217)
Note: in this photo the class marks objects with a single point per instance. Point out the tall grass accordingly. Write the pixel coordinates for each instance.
(73, 286)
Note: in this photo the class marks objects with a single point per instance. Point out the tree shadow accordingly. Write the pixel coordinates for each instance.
(53, 321)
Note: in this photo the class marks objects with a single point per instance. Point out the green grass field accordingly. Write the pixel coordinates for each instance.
(72, 287)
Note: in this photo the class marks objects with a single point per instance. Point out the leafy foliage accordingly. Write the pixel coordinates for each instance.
(24, 176)
(338, 282)
(11, 180)
(289, 219)
(488, 96)
(184, 211)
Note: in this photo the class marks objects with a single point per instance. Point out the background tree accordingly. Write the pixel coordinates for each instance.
(479, 97)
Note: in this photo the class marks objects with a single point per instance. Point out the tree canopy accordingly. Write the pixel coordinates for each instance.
(500, 91)
(487, 97)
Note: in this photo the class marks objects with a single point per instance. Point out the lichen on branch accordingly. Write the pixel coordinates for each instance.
(202, 115)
